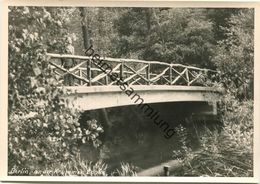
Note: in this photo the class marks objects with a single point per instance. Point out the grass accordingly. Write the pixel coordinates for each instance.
(80, 167)
(126, 169)
(225, 153)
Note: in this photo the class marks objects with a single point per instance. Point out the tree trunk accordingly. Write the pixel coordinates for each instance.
(84, 24)
(86, 39)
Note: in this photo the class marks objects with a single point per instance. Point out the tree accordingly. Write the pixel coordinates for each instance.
(41, 129)
(168, 35)
(220, 19)
(235, 55)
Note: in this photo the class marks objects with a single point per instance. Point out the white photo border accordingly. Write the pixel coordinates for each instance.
(121, 3)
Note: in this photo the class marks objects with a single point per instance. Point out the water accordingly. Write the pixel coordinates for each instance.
(135, 139)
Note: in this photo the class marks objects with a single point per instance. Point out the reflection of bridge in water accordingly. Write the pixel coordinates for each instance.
(96, 86)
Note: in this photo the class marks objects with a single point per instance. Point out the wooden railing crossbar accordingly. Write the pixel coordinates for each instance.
(126, 60)
(68, 72)
(87, 72)
(136, 73)
(160, 75)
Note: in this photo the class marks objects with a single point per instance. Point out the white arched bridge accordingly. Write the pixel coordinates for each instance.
(111, 82)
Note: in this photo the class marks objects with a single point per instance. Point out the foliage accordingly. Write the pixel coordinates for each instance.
(80, 167)
(169, 35)
(126, 169)
(238, 121)
(228, 153)
(91, 131)
(100, 31)
(76, 167)
(220, 19)
(235, 55)
(41, 129)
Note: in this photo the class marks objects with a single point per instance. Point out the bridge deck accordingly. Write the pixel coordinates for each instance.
(95, 97)
(104, 89)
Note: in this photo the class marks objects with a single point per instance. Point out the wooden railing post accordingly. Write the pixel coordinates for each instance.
(106, 80)
(166, 170)
(187, 76)
(122, 71)
(206, 75)
(170, 74)
(80, 74)
(89, 71)
(148, 73)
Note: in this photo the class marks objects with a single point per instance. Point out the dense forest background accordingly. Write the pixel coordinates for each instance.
(211, 38)
(216, 38)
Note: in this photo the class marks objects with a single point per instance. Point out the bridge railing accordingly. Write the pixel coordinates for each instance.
(83, 71)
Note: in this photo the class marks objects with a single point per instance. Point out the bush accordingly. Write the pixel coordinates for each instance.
(228, 153)
(41, 129)
(126, 169)
(37, 140)
(234, 56)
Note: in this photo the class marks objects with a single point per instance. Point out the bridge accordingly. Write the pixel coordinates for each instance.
(108, 82)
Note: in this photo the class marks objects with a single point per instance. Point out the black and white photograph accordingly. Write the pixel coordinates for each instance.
(108, 91)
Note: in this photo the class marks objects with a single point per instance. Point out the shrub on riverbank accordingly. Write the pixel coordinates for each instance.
(228, 153)
(80, 167)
